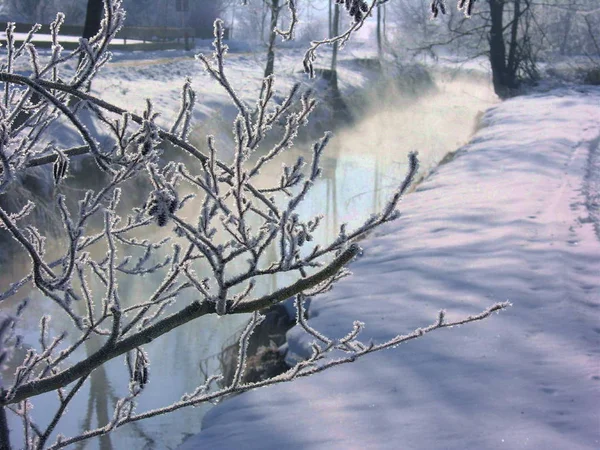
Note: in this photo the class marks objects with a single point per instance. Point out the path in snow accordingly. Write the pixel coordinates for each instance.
(592, 185)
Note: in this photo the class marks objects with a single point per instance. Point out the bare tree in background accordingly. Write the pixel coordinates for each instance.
(249, 21)
(565, 25)
(274, 8)
(412, 19)
(511, 55)
(506, 31)
(251, 222)
(513, 34)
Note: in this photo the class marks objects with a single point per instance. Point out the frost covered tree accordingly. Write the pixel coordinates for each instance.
(506, 31)
(220, 241)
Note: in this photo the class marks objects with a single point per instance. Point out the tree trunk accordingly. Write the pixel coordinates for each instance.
(513, 63)
(497, 49)
(271, 49)
(335, 30)
(93, 17)
(384, 22)
(4, 431)
(232, 21)
(379, 44)
(330, 20)
(340, 108)
(263, 27)
(568, 22)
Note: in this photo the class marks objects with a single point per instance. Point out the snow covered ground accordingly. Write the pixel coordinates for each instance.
(513, 217)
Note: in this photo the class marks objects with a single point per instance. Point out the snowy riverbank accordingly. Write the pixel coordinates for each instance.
(513, 217)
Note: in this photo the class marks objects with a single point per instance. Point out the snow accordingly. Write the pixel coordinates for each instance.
(513, 217)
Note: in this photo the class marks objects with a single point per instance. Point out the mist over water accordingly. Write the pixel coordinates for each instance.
(363, 164)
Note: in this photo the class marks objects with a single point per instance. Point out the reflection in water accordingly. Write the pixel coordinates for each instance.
(364, 165)
(102, 399)
(377, 183)
(100, 393)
